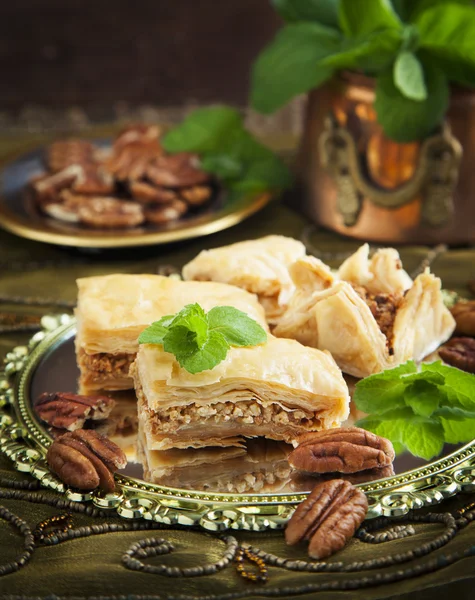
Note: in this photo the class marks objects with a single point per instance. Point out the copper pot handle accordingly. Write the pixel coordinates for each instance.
(434, 178)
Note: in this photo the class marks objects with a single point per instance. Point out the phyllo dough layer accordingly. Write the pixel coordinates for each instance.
(379, 320)
(277, 390)
(260, 467)
(259, 266)
(113, 310)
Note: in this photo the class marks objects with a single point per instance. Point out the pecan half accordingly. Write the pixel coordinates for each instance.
(47, 188)
(464, 315)
(149, 194)
(196, 195)
(133, 151)
(64, 153)
(328, 518)
(85, 460)
(345, 450)
(96, 181)
(160, 215)
(459, 352)
(110, 212)
(305, 482)
(66, 410)
(177, 170)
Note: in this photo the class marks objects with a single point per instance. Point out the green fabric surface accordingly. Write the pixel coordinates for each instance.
(92, 566)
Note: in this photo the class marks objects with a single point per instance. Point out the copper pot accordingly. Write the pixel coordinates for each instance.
(361, 184)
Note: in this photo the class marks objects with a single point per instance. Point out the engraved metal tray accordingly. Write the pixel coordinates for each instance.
(264, 497)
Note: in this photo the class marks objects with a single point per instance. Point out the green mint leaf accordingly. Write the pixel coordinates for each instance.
(456, 432)
(447, 34)
(459, 386)
(155, 333)
(423, 437)
(229, 151)
(236, 327)
(405, 120)
(371, 53)
(454, 413)
(181, 342)
(193, 319)
(417, 7)
(422, 397)
(426, 377)
(204, 130)
(403, 8)
(324, 12)
(224, 166)
(200, 341)
(290, 65)
(360, 17)
(384, 391)
(409, 76)
(208, 356)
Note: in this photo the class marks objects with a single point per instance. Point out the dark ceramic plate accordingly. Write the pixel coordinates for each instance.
(19, 215)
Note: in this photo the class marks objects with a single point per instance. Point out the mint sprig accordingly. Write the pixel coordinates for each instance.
(419, 410)
(413, 48)
(200, 340)
(228, 150)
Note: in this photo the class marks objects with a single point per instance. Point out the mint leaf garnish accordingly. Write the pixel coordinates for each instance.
(384, 391)
(228, 150)
(156, 332)
(456, 432)
(211, 354)
(421, 410)
(423, 437)
(236, 327)
(422, 397)
(193, 319)
(200, 340)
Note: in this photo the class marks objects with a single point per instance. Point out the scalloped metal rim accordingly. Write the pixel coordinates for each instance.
(26, 442)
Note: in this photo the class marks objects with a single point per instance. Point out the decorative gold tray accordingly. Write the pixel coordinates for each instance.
(25, 441)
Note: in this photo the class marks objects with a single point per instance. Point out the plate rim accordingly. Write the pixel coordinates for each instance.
(135, 498)
(40, 232)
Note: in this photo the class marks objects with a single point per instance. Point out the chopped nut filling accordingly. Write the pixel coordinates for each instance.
(384, 308)
(102, 365)
(243, 413)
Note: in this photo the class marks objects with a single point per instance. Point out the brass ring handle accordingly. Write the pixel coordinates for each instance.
(435, 176)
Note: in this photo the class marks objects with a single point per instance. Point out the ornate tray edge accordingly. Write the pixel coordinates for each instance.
(25, 444)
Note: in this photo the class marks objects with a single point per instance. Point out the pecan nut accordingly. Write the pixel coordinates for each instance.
(328, 518)
(85, 460)
(160, 215)
(345, 450)
(177, 170)
(145, 193)
(305, 482)
(459, 352)
(464, 315)
(65, 410)
(196, 195)
(64, 153)
(109, 212)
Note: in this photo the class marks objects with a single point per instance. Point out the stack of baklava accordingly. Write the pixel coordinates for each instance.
(367, 316)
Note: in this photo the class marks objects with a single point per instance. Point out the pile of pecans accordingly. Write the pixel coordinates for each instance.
(335, 508)
(133, 183)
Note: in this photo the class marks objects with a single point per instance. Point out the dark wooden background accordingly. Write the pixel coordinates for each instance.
(97, 53)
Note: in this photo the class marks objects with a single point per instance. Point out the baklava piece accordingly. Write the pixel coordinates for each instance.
(370, 315)
(277, 390)
(113, 310)
(259, 266)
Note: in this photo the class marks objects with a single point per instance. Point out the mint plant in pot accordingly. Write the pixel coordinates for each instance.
(389, 135)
